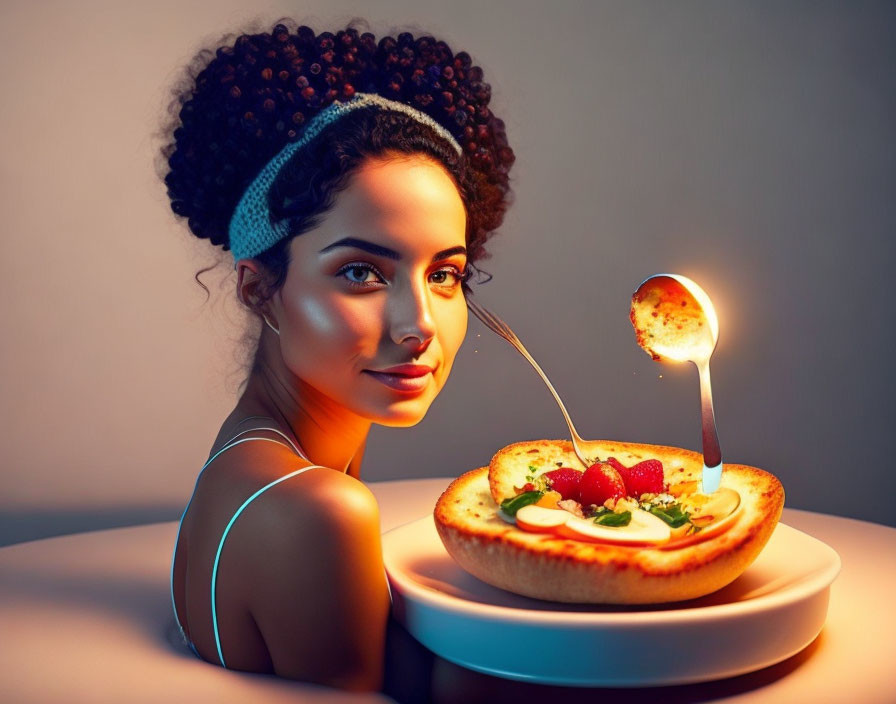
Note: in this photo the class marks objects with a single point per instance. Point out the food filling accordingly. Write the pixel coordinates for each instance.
(610, 502)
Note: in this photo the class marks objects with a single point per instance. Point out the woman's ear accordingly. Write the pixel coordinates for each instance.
(249, 282)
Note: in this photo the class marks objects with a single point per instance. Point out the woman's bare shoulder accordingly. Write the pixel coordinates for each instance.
(314, 581)
(266, 481)
(300, 503)
(316, 505)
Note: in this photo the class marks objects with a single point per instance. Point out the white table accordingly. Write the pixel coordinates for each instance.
(87, 618)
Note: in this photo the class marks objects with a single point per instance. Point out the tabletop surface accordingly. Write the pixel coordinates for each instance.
(86, 616)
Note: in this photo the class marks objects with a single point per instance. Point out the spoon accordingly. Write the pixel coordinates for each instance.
(586, 450)
(675, 321)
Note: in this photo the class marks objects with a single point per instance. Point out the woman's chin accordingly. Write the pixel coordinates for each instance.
(403, 414)
(398, 423)
(401, 410)
(401, 419)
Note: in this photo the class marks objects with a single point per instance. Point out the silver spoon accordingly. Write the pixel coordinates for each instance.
(674, 320)
(586, 450)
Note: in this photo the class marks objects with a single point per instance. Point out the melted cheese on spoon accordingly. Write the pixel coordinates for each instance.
(674, 319)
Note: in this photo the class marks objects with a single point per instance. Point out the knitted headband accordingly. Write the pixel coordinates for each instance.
(251, 231)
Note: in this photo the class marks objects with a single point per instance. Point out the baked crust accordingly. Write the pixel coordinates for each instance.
(548, 567)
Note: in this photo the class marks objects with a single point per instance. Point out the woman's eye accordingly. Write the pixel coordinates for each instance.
(449, 277)
(360, 275)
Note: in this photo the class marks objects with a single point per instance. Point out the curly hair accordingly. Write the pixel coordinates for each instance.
(246, 99)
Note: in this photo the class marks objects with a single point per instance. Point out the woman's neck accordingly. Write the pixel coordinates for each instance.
(329, 434)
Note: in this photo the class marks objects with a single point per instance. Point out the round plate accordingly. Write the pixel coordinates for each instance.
(772, 611)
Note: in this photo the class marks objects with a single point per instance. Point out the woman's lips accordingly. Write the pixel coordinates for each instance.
(402, 382)
(406, 370)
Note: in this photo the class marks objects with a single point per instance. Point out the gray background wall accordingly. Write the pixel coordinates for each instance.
(748, 145)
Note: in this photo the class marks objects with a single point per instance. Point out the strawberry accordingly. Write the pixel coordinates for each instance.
(565, 481)
(618, 466)
(599, 483)
(643, 478)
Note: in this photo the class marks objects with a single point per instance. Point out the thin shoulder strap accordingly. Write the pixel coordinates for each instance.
(230, 443)
(221, 546)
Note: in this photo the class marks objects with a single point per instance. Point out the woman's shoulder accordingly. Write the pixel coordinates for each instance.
(303, 558)
(286, 510)
(293, 490)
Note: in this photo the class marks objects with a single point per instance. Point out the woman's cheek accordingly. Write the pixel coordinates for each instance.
(330, 325)
(319, 317)
(363, 319)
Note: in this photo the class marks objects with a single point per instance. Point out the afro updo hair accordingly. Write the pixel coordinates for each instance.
(243, 101)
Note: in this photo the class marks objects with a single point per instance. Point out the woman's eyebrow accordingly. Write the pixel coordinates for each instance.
(450, 252)
(381, 251)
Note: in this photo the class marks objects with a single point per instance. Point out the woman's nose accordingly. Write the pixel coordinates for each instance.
(411, 315)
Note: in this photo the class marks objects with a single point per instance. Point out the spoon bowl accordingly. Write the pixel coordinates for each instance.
(674, 319)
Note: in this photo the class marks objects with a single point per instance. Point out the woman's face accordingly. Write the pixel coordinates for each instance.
(377, 285)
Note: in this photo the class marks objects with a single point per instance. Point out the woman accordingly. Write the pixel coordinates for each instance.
(355, 183)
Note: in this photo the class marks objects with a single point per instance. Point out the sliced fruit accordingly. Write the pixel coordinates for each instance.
(616, 464)
(712, 530)
(644, 529)
(599, 483)
(683, 488)
(549, 500)
(564, 480)
(537, 519)
(643, 478)
(721, 503)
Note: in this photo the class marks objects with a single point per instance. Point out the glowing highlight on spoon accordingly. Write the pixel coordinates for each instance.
(674, 319)
(705, 303)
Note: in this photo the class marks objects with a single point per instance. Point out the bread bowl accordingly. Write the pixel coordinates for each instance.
(545, 565)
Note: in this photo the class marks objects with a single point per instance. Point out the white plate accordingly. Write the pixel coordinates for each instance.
(772, 611)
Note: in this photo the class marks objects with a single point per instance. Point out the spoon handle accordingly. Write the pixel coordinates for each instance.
(712, 453)
(497, 325)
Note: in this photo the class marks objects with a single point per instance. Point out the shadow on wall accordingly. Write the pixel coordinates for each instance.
(33, 524)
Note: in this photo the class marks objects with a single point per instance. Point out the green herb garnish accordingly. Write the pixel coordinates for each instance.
(610, 518)
(512, 505)
(671, 514)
